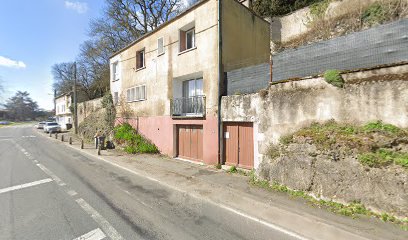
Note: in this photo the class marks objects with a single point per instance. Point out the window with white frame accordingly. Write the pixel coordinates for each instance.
(115, 71)
(137, 93)
(187, 37)
(160, 46)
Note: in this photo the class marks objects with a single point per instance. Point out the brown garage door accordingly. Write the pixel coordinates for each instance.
(190, 142)
(239, 144)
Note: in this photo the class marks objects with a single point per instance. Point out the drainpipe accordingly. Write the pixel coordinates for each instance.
(220, 79)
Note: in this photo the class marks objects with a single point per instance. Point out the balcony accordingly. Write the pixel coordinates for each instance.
(188, 107)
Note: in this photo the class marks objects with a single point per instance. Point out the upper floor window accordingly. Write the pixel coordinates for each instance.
(187, 37)
(115, 69)
(160, 46)
(140, 59)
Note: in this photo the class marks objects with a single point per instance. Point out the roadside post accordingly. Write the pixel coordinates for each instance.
(56, 135)
(62, 138)
(70, 140)
(82, 143)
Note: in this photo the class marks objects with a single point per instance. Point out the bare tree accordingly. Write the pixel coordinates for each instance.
(123, 22)
(141, 16)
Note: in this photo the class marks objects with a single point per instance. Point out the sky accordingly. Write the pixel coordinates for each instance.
(34, 35)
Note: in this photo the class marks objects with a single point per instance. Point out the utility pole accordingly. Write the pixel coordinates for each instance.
(75, 100)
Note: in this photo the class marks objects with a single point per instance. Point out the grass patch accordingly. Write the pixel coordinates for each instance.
(353, 209)
(384, 157)
(334, 78)
(232, 169)
(133, 142)
(380, 126)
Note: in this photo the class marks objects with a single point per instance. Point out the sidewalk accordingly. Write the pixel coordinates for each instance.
(232, 192)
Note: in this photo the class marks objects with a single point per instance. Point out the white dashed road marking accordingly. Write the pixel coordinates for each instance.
(96, 234)
(105, 225)
(72, 193)
(51, 174)
(25, 185)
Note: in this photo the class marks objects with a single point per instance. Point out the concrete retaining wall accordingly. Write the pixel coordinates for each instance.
(380, 94)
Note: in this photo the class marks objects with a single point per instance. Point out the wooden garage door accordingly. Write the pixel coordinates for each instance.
(239, 144)
(190, 142)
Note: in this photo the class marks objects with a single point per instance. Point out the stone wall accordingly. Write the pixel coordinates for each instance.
(86, 108)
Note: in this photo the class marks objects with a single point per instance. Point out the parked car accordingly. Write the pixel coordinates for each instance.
(4, 123)
(40, 125)
(52, 127)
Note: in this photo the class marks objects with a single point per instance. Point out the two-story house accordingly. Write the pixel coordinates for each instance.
(171, 79)
(63, 115)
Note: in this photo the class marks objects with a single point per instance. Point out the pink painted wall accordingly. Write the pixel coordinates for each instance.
(161, 130)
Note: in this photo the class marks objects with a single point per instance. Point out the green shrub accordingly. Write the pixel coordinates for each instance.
(374, 14)
(334, 78)
(380, 126)
(134, 142)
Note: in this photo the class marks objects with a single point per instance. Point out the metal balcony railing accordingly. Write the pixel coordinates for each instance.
(188, 106)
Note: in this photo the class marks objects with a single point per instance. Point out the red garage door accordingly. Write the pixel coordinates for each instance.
(239, 144)
(190, 142)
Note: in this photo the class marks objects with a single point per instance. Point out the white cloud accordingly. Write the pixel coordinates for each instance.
(79, 7)
(7, 62)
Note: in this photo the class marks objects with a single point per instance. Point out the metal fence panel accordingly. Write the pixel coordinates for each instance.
(381, 45)
(249, 79)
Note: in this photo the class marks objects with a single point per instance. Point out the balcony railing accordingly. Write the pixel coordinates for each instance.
(188, 106)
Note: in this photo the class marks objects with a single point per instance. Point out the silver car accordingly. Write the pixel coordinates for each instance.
(52, 127)
(40, 125)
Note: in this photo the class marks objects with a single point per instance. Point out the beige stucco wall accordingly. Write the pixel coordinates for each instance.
(380, 94)
(160, 71)
(245, 37)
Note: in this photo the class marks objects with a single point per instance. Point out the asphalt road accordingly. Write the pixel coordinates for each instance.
(48, 191)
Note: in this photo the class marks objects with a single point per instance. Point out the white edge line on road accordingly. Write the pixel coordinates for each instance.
(270, 225)
(96, 234)
(105, 225)
(25, 185)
